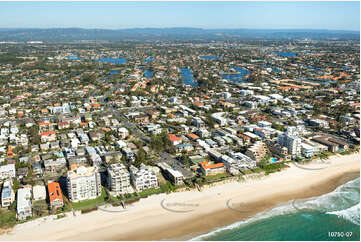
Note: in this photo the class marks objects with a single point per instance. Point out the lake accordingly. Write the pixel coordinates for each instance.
(236, 77)
(187, 76)
(74, 57)
(275, 69)
(113, 72)
(148, 73)
(113, 60)
(209, 57)
(149, 59)
(285, 54)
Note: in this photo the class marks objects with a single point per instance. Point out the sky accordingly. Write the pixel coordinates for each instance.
(209, 15)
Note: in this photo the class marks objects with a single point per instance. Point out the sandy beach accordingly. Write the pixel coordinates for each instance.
(183, 215)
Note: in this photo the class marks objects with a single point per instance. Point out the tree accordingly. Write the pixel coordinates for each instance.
(209, 120)
(140, 157)
(278, 127)
(34, 134)
(186, 160)
(16, 185)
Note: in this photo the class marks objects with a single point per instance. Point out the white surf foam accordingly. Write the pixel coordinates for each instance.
(351, 214)
(343, 196)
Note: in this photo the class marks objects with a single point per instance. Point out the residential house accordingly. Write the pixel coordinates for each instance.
(183, 147)
(54, 166)
(143, 118)
(96, 135)
(175, 140)
(55, 195)
(123, 133)
(7, 171)
(48, 136)
(37, 169)
(23, 208)
(192, 136)
(39, 192)
(7, 194)
(209, 168)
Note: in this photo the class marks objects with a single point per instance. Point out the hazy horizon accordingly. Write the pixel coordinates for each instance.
(206, 15)
(183, 27)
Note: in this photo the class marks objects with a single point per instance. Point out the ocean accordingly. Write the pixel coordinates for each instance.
(332, 216)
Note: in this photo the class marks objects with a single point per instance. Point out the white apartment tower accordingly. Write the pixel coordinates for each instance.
(118, 179)
(83, 183)
(293, 144)
(291, 141)
(143, 178)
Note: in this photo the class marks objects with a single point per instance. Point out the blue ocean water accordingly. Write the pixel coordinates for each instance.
(310, 219)
(187, 76)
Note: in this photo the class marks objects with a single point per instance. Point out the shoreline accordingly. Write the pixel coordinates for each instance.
(202, 211)
(336, 182)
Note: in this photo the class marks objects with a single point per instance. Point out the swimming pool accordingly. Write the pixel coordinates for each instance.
(273, 160)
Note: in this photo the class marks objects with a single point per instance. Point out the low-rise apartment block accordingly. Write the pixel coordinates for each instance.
(7, 171)
(7, 194)
(208, 168)
(257, 151)
(175, 176)
(143, 178)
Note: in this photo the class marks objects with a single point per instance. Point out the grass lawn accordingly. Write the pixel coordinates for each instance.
(40, 208)
(246, 172)
(150, 191)
(211, 178)
(257, 170)
(7, 218)
(216, 177)
(91, 203)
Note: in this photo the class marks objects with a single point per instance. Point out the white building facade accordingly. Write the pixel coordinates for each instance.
(83, 183)
(143, 178)
(7, 171)
(118, 179)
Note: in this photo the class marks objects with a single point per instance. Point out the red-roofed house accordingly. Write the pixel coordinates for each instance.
(174, 139)
(192, 136)
(198, 104)
(55, 195)
(48, 136)
(63, 125)
(208, 168)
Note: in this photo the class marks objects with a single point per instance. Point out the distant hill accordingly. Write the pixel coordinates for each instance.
(182, 34)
